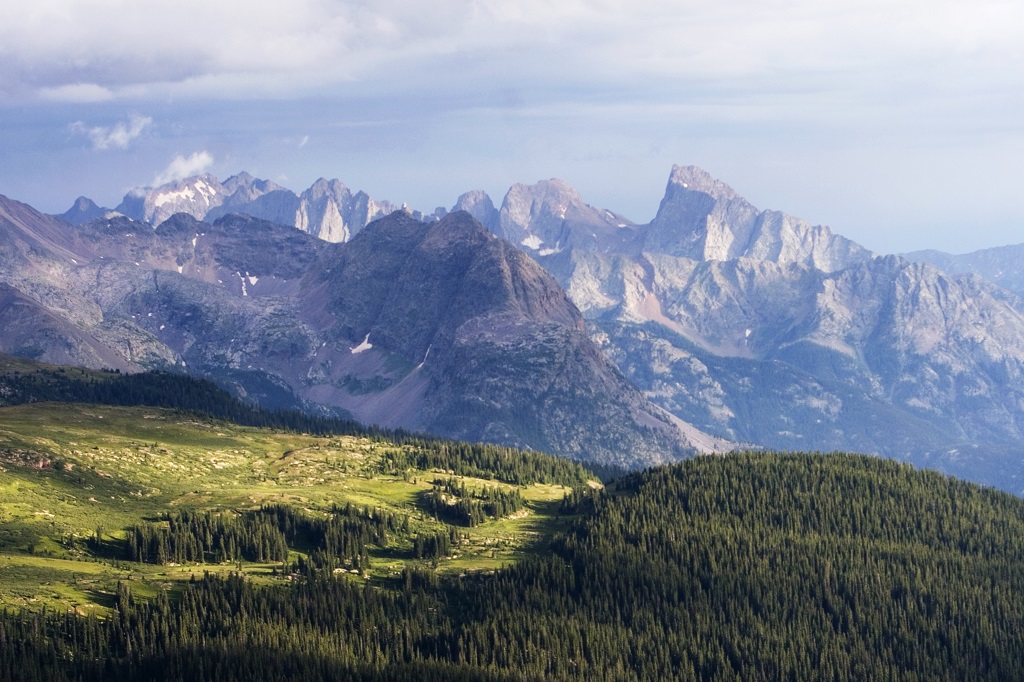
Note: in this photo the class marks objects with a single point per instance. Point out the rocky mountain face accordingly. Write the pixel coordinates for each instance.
(1003, 265)
(703, 219)
(759, 327)
(436, 326)
(491, 349)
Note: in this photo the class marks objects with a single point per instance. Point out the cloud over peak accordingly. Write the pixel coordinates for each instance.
(184, 166)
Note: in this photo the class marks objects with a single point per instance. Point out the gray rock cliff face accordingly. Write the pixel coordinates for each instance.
(479, 205)
(330, 211)
(492, 340)
(84, 210)
(759, 327)
(550, 217)
(195, 196)
(702, 218)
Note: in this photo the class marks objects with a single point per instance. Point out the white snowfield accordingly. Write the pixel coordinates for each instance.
(365, 345)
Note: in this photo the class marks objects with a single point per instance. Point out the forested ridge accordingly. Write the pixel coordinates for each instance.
(744, 567)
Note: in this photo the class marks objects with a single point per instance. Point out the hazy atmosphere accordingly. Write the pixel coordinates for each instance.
(896, 123)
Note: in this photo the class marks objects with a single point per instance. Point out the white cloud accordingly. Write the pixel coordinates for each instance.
(79, 93)
(94, 49)
(184, 167)
(119, 136)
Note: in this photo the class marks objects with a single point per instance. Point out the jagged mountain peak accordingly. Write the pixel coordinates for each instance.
(550, 217)
(479, 205)
(194, 195)
(471, 198)
(547, 190)
(243, 181)
(250, 187)
(460, 225)
(324, 187)
(470, 270)
(26, 234)
(241, 178)
(553, 197)
(205, 184)
(696, 179)
(702, 218)
(82, 211)
(1003, 265)
(478, 325)
(327, 209)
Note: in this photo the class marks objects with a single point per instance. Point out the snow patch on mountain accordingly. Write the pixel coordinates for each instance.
(167, 197)
(532, 242)
(365, 345)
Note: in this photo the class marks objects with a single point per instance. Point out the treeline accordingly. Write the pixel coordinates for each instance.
(486, 461)
(339, 540)
(204, 398)
(436, 545)
(771, 566)
(223, 629)
(191, 537)
(745, 567)
(451, 501)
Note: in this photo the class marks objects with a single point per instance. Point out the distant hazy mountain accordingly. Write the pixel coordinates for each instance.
(84, 210)
(327, 210)
(435, 326)
(1003, 265)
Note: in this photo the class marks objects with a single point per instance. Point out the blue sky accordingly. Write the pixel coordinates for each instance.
(897, 123)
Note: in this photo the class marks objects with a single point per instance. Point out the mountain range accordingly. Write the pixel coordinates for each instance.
(737, 325)
(759, 327)
(328, 209)
(439, 326)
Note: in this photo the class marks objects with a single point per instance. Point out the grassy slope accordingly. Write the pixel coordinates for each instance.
(68, 470)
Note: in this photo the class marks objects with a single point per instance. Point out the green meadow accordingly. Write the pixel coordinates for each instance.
(71, 473)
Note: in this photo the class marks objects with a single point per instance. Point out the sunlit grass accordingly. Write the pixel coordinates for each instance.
(70, 471)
